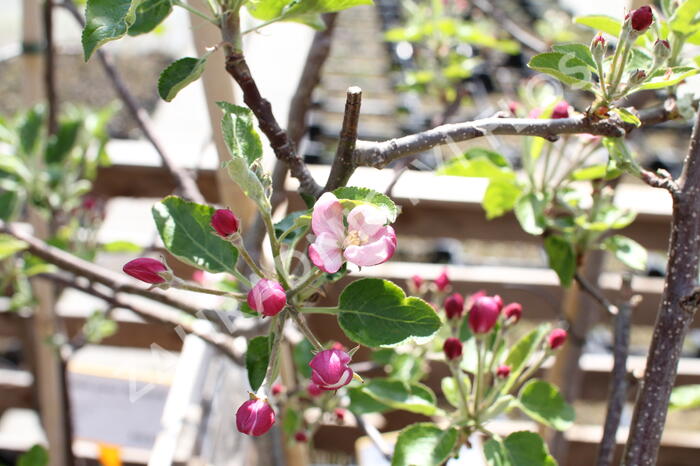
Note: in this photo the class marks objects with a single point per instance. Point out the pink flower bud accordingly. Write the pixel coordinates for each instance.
(329, 369)
(340, 414)
(442, 281)
(314, 390)
(599, 40)
(598, 47)
(454, 306)
(513, 107)
(224, 222)
(146, 269)
(198, 276)
(484, 314)
(513, 312)
(267, 297)
(502, 371)
(417, 281)
(255, 417)
(338, 346)
(642, 18)
(499, 301)
(301, 437)
(556, 338)
(452, 348)
(561, 110)
(277, 389)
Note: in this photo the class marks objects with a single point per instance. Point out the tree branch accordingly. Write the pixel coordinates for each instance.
(379, 154)
(186, 183)
(343, 164)
(596, 294)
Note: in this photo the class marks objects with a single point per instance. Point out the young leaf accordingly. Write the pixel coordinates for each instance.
(628, 251)
(522, 352)
(580, 51)
(527, 449)
(495, 158)
(257, 359)
(10, 245)
(685, 397)
(9, 201)
(424, 444)
(149, 14)
(542, 402)
(451, 391)
(683, 19)
(627, 116)
(248, 181)
(186, 232)
(30, 129)
(98, 326)
(239, 131)
(267, 10)
(495, 453)
(368, 196)
(302, 354)
(529, 210)
(603, 23)
(375, 312)
(178, 75)
(106, 20)
(668, 77)
(415, 397)
(500, 197)
(566, 67)
(59, 146)
(363, 403)
(561, 258)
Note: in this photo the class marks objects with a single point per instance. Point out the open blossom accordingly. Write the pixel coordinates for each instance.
(484, 313)
(147, 270)
(255, 417)
(267, 297)
(329, 369)
(365, 241)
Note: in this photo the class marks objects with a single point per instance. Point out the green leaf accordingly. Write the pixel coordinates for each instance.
(257, 359)
(415, 397)
(362, 403)
(297, 223)
(291, 420)
(561, 258)
(683, 19)
(30, 129)
(121, 246)
(9, 201)
(186, 232)
(500, 197)
(178, 75)
(375, 312)
(620, 154)
(406, 367)
(248, 181)
(59, 146)
(149, 14)
(662, 79)
(13, 165)
(292, 9)
(424, 444)
(35, 456)
(523, 351)
(302, 354)
(10, 245)
(106, 20)
(542, 402)
(594, 172)
(603, 23)
(98, 326)
(529, 210)
(527, 449)
(451, 391)
(565, 67)
(627, 116)
(495, 158)
(628, 251)
(239, 131)
(368, 196)
(580, 51)
(495, 453)
(685, 397)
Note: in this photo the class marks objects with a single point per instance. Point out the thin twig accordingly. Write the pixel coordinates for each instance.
(186, 183)
(596, 294)
(618, 380)
(343, 164)
(374, 435)
(50, 68)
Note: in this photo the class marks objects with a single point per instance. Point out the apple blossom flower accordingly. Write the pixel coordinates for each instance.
(556, 338)
(267, 297)
(484, 314)
(365, 241)
(452, 348)
(454, 306)
(147, 270)
(224, 222)
(329, 369)
(255, 417)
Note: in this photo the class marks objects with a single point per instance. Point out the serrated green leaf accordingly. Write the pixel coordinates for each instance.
(285, 10)
(684, 19)
(628, 251)
(542, 402)
(529, 210)
(424, 444)
(248, 181)
(106, 20)
(178, 75)
(580, 51)
(565, 67)
(685, 397)
(375, 312)
(149, 14)
(257, 358)
(186, 232)
(561, 258)
(362, 403)
(368, 196)
(663, 79)
(239, 131)
(527, 449)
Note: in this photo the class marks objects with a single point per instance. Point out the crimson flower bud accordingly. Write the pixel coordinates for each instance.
(641, 18)
(267, 297)
(452, 348)
(499, 301)
(502, 371)
(556, 338)
(329, 369)
(313, 390)
(277, 389)
(513, 312)
(598, 47)
(255, 417)
(340, 414)
(484, 314)
(417, 281)
(454, 306)
(147, 270)
(301, 437)
(561, 110)
(513, 107)
(442, 281)
(224, 222)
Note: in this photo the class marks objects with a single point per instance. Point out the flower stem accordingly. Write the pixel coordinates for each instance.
(304, 328)
(182, 285)
(275, 245)
(195, 12)
(304, 282)
(463, 395)
(479, 377)
(277, 330)
(237, 240)
(320, 310)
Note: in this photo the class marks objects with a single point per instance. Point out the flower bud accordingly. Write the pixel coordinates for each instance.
(417, 282)
(454, 306)
(313, 390)
(301, 437)
(147, 270)
(277, 389)
(442, 281)
(224, 222)
(255, 417)
(561, 110)
(329, 369)
(339, 414)
(662, 50)
(267, 297)
(636, 77)
(641, 18)
(513, 107)
(556, 338)
(484, 314)
(502, 371)
(598, 47)
(513, 312)
(452, 348)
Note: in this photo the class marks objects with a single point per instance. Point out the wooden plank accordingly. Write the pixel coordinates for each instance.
(16, 389)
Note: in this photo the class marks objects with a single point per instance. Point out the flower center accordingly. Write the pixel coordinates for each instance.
(355, 238)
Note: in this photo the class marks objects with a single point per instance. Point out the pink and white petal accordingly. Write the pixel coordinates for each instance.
(373, 253)
(366, 219)
(326, 254)
(344, 379)
(327, 216)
